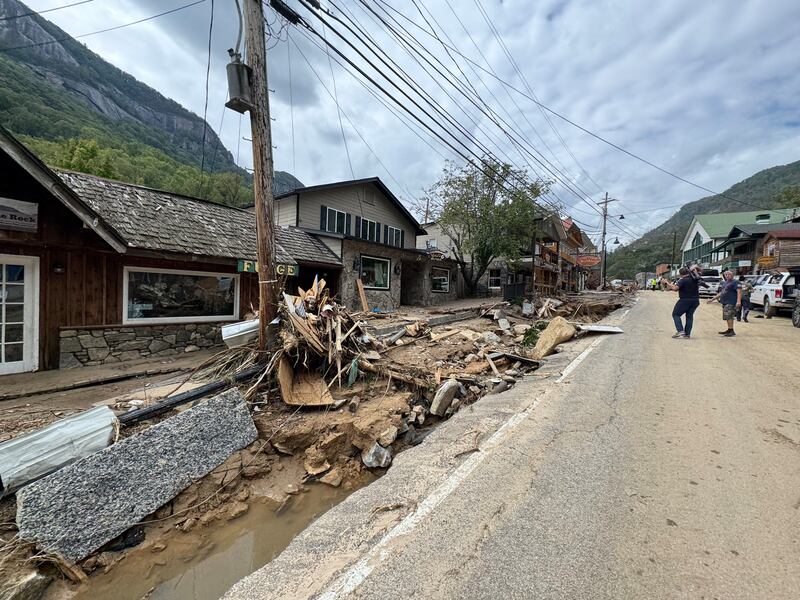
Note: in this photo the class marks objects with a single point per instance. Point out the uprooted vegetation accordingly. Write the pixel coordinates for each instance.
(335, 400)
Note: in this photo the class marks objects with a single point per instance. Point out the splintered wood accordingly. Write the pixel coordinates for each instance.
(306, 389)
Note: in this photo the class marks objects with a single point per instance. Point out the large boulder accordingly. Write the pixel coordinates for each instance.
(558, 331)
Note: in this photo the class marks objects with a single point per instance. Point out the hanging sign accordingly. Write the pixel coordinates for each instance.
(251, 266)
(588, 260)
(16, 215)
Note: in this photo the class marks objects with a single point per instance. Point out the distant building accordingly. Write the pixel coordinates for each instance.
(707, 232)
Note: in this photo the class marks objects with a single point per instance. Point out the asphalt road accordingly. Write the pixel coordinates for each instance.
(654, 468)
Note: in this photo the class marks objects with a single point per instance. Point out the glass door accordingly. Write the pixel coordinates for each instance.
(19, 342)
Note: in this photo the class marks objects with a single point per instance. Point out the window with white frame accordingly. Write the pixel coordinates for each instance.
(495, 278)
(440, 279)
(375, 272)
(368, 230)
(394, 237)
(170, 296)
(431, 244)
(336, 221)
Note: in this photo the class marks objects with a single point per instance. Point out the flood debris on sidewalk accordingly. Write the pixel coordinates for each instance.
(76, 510)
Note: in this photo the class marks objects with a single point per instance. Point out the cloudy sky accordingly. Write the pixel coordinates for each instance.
(708, 90)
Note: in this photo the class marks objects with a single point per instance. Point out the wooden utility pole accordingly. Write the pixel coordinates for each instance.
(674, 241)
(603, 251)
(262, 167)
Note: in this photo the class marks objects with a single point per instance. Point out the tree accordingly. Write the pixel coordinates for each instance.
(486, 211)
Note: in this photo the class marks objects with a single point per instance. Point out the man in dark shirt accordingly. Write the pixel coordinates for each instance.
(688, 288)
(730, 296)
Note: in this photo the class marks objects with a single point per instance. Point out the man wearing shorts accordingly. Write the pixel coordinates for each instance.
(730, 296)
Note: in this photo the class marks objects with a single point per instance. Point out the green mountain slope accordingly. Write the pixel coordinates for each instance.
(776, 187)
(63, 93)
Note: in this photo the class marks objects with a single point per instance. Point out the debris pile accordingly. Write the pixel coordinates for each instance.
(586, 306)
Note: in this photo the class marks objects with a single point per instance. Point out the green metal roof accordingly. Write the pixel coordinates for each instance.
(719, 225)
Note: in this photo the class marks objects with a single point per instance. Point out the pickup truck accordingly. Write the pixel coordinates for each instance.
(774, 291)
(712, 279)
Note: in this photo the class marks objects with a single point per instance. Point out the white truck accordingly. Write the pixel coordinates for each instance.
(774, 291)
(712, 279)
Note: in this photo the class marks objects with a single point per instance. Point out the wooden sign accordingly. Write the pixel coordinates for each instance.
(17, 215)
(588, 260)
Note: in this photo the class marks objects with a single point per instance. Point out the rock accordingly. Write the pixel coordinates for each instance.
(188, 524)
(158, 547)
(388, 436)
(376, 457)
(500, 388)
(292, 489)
(98, 353)
(557, 332)
(70, 344)
(68, 361)
(352, 406)
(504, 325)
(191, 348)
(444, 396)
(132, 345)
(84, 505)
(332, 478)
(27, 585)
(158, 346)
(490, 338)
(315, 468)
(512, 372)
(90, 341)
(470, 358)
(521, 328)
(237, 509)
(474, 389)
(67, 333)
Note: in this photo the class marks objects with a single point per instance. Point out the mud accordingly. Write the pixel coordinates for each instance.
(203, 563)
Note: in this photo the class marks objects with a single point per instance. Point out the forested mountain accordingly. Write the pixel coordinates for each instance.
(78, 111)
(776, 187)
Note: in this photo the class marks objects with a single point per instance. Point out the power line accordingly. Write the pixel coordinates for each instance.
(291, 102)
(335, 99)
(571, 122)
(83, 35)
(205, 104)
(41, 12)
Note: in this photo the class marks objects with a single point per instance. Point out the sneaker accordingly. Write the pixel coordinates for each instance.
(730, 333)
(686, 337)
(745, 320)
(724, 332)
(738, 319)
(677, 335)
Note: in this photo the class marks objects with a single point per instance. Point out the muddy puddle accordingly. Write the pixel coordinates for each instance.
(203, 564)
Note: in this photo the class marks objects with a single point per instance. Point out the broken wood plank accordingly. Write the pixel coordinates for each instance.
(492, 365)
(362, 295)
(599, 328)
(435, 337)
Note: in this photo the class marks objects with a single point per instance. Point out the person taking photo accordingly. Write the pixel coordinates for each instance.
(688, 288)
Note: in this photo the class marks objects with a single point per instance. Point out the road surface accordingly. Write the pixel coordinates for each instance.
(654, 468)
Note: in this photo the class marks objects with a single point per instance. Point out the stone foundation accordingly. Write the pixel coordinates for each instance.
(104, 345)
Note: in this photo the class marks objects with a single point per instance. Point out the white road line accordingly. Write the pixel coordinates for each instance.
(358, 573)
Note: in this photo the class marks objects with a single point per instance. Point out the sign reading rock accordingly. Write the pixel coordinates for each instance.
(76, 510)
(19, 216)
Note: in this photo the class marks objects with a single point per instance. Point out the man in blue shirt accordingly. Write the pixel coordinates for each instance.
(730, 296)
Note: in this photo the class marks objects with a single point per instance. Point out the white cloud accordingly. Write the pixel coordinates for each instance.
(706, 89)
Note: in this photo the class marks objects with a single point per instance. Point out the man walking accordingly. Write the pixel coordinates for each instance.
(688, 289)
(730, 296)
(747, 290)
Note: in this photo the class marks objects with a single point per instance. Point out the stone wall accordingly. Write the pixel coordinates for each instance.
(104, 345)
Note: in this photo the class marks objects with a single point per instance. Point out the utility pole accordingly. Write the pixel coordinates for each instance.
(674, 241)
(603, 251)
(262, 167)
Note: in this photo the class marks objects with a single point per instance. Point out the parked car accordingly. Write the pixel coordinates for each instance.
(795, 271)
(773, 292)
(713, 279)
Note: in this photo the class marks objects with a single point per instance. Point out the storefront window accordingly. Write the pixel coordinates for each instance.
(441, 280)
(375, 272)
(172, 296)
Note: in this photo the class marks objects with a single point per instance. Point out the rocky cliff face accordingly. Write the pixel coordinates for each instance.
(69, 67)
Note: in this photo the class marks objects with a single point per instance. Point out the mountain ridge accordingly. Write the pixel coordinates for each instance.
(57, 90)
(770, 188)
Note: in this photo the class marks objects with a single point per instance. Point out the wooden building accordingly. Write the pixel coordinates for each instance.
(782, 248)
(94, 271)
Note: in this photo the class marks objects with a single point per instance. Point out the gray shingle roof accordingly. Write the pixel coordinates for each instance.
(149, 219)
